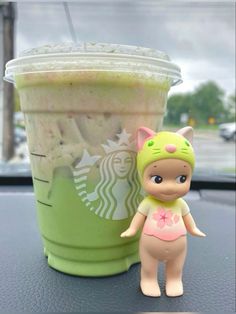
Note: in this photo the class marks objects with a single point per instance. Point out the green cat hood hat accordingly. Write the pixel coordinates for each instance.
(164, 145)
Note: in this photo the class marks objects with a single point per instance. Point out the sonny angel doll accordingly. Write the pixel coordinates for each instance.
(165, 162)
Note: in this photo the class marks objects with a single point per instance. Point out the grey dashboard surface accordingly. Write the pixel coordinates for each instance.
(27, 284)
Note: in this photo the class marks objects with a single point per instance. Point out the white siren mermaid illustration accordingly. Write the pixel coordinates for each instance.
(118, 192)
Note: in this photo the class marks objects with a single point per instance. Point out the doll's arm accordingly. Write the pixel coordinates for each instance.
(191, 226)
(136, 223)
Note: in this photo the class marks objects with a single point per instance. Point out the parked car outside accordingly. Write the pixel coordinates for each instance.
(228, 131)
(19, 135)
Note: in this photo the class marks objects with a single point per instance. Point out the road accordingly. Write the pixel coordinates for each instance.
(213, 153)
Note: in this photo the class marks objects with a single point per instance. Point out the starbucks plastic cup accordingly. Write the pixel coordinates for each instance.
(82, 105)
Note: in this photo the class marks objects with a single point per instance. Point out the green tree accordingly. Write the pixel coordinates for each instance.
(230, 107)
(178, 104)
(208, 101)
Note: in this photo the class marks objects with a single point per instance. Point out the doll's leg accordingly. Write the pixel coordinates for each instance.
(174, 267)
(149, 266)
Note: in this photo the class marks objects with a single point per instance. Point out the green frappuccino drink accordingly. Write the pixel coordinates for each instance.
(82, 106)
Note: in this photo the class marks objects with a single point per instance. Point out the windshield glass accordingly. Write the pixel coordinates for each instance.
(198, 36)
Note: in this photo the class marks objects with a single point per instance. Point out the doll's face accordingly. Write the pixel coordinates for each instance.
(167, 179)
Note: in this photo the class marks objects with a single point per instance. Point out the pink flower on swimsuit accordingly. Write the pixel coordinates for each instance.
(165, 225)
(163, 217)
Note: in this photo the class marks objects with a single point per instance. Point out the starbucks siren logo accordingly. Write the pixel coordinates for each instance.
(117, 194)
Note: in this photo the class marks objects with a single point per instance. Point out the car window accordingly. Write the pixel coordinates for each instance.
(199, 36)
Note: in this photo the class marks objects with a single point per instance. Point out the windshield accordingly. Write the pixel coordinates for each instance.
(199, 36)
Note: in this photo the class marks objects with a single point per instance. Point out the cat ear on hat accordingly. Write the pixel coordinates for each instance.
(142, 135)
(186, 132)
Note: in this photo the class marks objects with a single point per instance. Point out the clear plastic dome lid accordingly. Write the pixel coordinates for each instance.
(94, 57)
(95, 48)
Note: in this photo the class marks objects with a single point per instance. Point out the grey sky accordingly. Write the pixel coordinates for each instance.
(198, 35)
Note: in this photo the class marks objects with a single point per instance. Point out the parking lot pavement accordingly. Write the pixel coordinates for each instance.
(213, 153)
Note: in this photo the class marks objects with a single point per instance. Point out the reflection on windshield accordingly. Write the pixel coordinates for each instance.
(205, 100)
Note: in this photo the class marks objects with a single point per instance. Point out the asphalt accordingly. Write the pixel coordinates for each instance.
(214, 153)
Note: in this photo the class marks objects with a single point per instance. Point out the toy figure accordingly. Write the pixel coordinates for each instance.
(165, 162)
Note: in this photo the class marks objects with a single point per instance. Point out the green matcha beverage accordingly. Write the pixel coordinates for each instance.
(82, 106)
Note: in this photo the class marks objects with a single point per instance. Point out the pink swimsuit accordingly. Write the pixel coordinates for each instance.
(164, 219)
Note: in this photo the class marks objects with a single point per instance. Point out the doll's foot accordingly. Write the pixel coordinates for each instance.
(150, 288)
(174, 288)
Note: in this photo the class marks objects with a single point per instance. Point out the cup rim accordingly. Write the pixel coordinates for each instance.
(95, 57)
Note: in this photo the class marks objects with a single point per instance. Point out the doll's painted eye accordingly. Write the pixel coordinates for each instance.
(156, 179)
(181, 179)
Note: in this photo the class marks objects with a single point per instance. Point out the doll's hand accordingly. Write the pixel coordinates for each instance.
(196, 232)
(128, 233)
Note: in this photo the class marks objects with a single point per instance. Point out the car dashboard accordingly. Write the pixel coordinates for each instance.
(28, 284)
